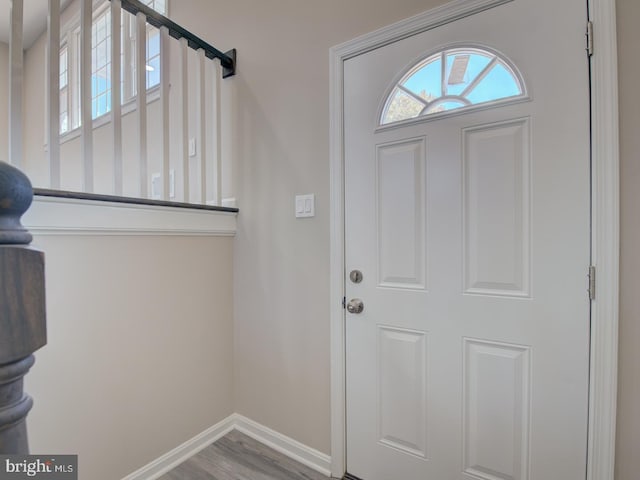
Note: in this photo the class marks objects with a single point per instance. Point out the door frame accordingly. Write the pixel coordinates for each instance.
(604, 233)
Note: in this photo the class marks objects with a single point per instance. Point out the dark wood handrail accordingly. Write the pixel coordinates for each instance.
(22, 308)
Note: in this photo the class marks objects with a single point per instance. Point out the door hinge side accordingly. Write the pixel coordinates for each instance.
(344, 302)
(592, 282)
(589, 35)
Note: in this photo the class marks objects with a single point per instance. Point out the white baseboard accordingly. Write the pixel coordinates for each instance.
(175, 457)
(308, 456)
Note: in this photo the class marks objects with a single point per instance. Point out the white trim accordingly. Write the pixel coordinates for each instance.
(172, 459)
(16, 79)
(165, 73)
(115, 113)
(86, 120)
(299, 452)
(605, 250)
(52, 96)
(605, 222)
(336, 262)
(422, 22)
(293, 449)
(68, 216)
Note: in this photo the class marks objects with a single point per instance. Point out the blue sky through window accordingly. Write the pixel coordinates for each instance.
(427, 79)
(471, 76)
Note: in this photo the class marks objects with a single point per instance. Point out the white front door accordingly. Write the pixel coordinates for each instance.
(470, 228)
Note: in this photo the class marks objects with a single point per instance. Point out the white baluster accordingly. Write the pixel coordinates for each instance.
(53, 93)
(141, 98)
(86, 20)
(116, 97)
(184, 57)
(16, 79)
(164, 99)
(217, 79)
(202, 102)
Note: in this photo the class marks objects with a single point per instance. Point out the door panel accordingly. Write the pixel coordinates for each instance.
(496, 204)
(496, 400)
(402, 401)
(401, 213)
(470, 359)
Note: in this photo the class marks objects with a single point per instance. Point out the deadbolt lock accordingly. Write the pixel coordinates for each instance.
(355, 276)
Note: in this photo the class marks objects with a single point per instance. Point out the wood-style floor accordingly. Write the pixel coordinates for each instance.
(238, 457)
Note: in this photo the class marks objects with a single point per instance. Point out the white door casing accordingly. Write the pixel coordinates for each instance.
(605, 210)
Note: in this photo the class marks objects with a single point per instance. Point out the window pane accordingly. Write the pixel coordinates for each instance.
(101, 27)
(102, 105)
(153, 43)
(101, 54)
(444, 106)
(471, 76)
(426, 82)
(499, 83)
(153, 72)
(64, 58)
(64, 116)
(63, 99)
(101, 64)
(64, 122)
(462, 69)
(158, 5)
(75, 89)
(102, 82)
(402, 106)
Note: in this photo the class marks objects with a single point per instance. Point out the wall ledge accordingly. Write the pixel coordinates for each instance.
(74, 216)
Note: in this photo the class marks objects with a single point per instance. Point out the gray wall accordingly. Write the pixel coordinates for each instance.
(139, 354)
(628, 438)
(281, 148)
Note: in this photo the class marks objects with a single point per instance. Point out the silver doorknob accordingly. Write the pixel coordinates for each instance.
(355, 305)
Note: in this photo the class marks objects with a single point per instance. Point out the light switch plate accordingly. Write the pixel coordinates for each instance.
(156, 186)
(305, 205)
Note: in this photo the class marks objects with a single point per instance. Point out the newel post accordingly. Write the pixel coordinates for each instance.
(22, 308)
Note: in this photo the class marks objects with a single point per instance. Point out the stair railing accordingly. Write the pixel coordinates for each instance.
(212, 65)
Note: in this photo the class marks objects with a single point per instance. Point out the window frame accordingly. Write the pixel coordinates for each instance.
(416, 64)
(69, 40)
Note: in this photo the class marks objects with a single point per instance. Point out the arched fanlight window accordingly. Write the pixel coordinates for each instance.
(452, 79)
